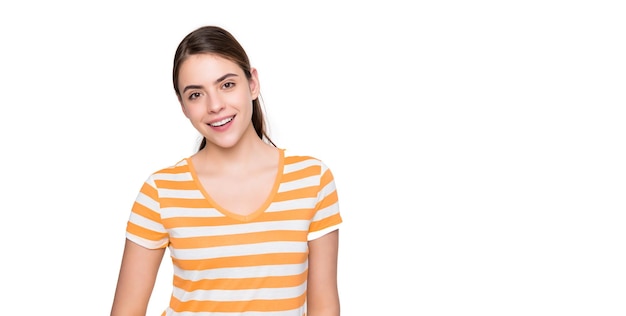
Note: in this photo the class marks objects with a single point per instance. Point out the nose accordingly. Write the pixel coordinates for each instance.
(215, 103)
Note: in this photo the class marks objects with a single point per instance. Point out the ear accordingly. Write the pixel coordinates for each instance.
(255, 86)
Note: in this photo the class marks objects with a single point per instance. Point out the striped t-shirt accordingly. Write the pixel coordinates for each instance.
(228, 264)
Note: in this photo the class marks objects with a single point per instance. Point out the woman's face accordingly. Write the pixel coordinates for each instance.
(216, 97)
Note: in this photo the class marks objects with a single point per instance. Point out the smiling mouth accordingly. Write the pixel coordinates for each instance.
(222, 122)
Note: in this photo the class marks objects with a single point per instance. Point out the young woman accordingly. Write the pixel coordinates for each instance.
(251, 230)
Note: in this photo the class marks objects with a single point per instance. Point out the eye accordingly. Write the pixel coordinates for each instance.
(228, 85)
(194, 95)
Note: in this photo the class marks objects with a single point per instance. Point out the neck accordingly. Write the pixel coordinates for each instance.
(251, 152)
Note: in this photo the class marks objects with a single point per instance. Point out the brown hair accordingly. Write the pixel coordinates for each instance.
(216, 40)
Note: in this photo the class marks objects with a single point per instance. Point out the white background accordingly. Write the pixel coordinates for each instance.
(478, 146)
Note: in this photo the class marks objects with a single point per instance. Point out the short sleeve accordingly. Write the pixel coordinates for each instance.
(144, 226)
(327, 217)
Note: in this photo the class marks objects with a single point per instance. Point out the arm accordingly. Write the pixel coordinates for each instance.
(136, 279)
(322, 292)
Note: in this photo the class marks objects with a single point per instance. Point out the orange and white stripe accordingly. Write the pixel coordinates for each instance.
(227, 264)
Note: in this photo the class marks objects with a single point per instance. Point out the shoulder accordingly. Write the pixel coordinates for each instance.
(179, 170)
(297, 161)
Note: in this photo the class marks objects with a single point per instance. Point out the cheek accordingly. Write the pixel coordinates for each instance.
(241, 101)
(191, 111)
(184, 109)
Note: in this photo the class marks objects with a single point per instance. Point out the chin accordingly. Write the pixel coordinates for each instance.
(224, 143)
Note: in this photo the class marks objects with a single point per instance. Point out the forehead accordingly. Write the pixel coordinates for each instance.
(206, 67)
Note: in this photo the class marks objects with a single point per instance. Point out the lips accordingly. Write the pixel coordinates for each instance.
(222, 122)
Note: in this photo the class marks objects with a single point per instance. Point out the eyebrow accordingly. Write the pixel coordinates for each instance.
(218, 80)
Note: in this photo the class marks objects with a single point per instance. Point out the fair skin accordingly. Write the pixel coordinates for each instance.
(239, 170)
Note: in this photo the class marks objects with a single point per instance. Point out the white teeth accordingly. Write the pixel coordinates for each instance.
(222, 122)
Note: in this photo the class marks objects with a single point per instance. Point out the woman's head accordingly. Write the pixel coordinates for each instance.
(217, 41)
